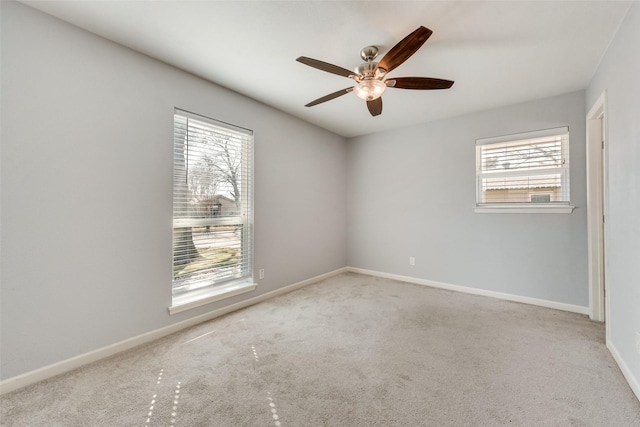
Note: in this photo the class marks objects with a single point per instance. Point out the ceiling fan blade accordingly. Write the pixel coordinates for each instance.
(325, 66)
(404, 49)
(329, 97)
(375, 106)
(420, 83)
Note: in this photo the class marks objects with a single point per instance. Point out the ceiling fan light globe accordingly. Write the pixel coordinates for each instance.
(369, 89)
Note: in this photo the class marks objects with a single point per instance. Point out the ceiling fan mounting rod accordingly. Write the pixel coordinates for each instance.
(369, 69)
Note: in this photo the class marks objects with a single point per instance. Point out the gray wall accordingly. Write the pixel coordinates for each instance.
(618, 75)
(87, 132)
(412, 192)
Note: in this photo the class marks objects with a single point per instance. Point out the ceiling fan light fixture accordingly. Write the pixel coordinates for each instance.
(370, 76)
(369, 89)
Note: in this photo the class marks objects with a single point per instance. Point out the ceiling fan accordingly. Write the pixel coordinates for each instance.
(370, 76)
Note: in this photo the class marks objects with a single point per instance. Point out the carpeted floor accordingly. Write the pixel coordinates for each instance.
(352, 350)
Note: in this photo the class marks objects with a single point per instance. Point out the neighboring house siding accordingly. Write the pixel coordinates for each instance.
(213, 206)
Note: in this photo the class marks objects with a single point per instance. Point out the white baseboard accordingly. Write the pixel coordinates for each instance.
(634, 382)
(475, 291)
(28, 378)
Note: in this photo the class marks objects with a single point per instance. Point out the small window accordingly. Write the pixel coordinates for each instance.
(212, 211)
(524, 170)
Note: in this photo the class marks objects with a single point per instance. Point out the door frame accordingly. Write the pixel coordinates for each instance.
(597, 181)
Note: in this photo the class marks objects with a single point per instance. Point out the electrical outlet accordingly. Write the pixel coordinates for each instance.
(638, 342)
(261, 273)
(412, 260)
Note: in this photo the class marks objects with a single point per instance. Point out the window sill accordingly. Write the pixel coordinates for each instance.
(189, 301)
(538, 208)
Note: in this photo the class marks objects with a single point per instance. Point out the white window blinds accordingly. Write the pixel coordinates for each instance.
(212, 205)
(527, 168)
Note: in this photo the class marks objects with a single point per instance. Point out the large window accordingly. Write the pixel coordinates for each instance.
(212, 211)
(524, 170)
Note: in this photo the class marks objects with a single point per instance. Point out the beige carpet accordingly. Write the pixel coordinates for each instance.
(352, 350)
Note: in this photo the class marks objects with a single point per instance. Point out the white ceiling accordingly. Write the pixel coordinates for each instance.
(497, 52)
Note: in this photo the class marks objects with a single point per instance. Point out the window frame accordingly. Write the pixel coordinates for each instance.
(523, 207)
(227, 288)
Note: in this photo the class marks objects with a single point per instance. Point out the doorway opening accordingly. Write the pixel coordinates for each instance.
(596, 209)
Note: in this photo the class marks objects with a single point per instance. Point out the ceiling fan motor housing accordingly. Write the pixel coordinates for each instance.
(367, 70)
